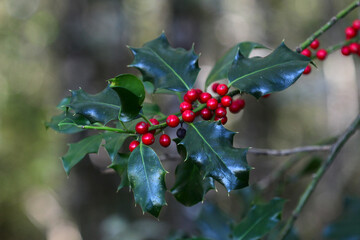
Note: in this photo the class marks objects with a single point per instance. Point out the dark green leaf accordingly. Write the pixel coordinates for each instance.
(166, 67)
(213, 223)
(102, 107)
(113, 142)
(63, 104)
(77, 151)
(151, 109)
(210, 146)
(119, 164)
(147, 179)
(221, 68)
(260, 220)
(131, 92)
(275, 72)
(347, 226)
(69, 129)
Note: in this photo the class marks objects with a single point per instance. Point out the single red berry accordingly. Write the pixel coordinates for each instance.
(315, 44)
(307, 70)
(220, 105)
(185, 106)
(188, 116)
(148, 138)
(220, 112)
(204, 97)
(172, 121)
(226, 101)
(198, 91)
(214, 87)
(133, 145)
(206, 114)
(345, 50)
(356, 24)
(223, 120)
(212, 103)
(154, 122)
(142, 127)
(321, 54)
(186, 98)
(192, 95)
(266, 95)
(350, 32)
(222, 89)
(237, 105)
(306, 52)
(165, 140)
(354, 47)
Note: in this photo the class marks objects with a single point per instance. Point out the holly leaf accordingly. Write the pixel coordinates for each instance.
(210, 146)
(275, 72)
(119, 164)
(68, 129)
(102, 107)
(131, 92)
(77, 151)
(147, 179)
(221, 68)
(165, 67)
(151, 109)
(260, 220)
(63, 104)
(113, 142)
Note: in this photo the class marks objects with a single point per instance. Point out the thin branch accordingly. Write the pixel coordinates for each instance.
(335, 149)
(328, 25)
(286, 152)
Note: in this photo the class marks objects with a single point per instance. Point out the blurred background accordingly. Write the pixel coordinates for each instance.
(48, 47)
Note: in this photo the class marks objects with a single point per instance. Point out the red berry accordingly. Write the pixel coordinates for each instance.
(212, 104)
(192, 95)
(307, 70)
(185, 106)
(350, 32)
(214, 87)
(306, 52)
(354, 47)
(315, 44)
(206, 114)
(356, 24)
(220, 105)
(321, 54)
(266, 95)
(220, 112)
(222, 89)
(237, 105)
(223, 120)
(226, 101)
(172, 121)
(148, 138)
(345, 50)
(165, 140)
(187, 99)
(188, 116)
(133, 145)
(142, 127)
(198, 91)
(204, 97)
(154, 122)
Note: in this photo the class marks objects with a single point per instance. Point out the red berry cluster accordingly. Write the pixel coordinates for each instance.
(321, 54)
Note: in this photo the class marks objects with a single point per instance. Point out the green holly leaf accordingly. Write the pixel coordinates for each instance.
(70, 117)
(119, 164)
(260, 220)
(168, 68)
(147, 179)
(275, 72)
(77, 151)
(131, 92)
(113, 142)
(151, 109)
(102, 107)
(221, 68)
(63, 104)
(210, 146)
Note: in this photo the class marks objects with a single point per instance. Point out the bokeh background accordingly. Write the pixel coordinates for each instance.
(48, 47)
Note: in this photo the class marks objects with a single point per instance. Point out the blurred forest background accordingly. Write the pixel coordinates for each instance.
(48, 47)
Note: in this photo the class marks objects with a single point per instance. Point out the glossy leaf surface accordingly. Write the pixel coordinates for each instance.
(119, 164)
(210, 146)
(113, 142)
(260, 220)
(69, 129)
(275, 72)
(221, 68)
(168, 68)
(102, 107)
(147, 179)
(77, 151)
(131, 92)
